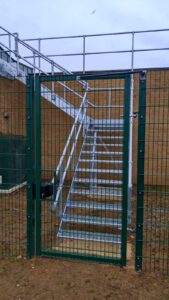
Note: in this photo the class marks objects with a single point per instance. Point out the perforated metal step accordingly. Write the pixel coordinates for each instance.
(105, 137)
(97, 181)
(90, 236)
(99, 192)
(103, 152)
(99, 171)
(107, 145)
(105, 130)
(108, 122)
(92, 220)
(94, 206)
(102, 161)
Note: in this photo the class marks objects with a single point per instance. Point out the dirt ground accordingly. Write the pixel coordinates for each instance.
(50, 279)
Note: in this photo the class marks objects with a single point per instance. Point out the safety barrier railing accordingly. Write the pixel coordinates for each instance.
(85, 39)
(53, 66)
(14, 39)
(62, 170)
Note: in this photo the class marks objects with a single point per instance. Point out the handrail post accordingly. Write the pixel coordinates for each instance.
(39, 50)
(84, 111)
(132, 52)
(53, 84)
(110, 101)
(84, 54)
(64, 90)
(74, 154)
(34, 64)
(9, 38)
(17, 51)
(61, 188)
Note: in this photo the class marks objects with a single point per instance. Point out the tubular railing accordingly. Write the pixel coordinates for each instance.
(13, 39)
(132, 49)
(85, 41)
(35, 53)
(61, 171)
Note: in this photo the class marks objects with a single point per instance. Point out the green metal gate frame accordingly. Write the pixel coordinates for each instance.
(34, 134)
(140, 171)
(30, 165)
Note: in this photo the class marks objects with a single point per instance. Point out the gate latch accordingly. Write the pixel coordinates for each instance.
(46, 189)
(135, 114)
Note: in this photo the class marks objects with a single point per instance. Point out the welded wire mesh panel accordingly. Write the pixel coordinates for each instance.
(13, 167)
(153, 176)
(84, 152)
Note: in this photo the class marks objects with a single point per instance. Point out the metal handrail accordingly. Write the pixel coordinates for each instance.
(84, 53)
(96, 34)
(21, 74)
(38, 54)
(104, 52)
(64, 153)
(36, 51)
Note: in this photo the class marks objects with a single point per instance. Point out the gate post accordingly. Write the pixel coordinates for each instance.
(38, 162)
(140, 171)
(30, 165)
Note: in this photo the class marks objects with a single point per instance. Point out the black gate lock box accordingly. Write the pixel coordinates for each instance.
(46, 189)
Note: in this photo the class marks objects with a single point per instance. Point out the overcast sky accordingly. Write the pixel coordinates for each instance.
(41, 18)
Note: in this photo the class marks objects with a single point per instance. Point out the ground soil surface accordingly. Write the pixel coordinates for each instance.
(50, 279)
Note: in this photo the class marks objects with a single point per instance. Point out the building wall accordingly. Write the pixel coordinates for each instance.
(56, 125)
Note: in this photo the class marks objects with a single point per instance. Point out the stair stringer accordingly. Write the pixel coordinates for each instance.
(71, 187)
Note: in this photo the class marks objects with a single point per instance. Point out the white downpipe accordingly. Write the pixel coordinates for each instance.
(130, 163)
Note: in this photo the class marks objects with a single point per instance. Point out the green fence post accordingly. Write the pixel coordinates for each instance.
(140, 172)
(30, 165)
(38, 163)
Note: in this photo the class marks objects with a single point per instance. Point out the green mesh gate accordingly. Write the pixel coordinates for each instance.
(82, 166)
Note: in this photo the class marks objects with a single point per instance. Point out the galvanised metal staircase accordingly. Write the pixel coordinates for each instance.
(96, 187)
(93, 208)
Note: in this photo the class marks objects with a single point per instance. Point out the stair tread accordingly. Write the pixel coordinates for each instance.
(101, 181)
(92, 220)
(103, 152)
(105, 122)
(101, 161)
(94, 206)
(109, 145)
(91, 180)
(105, 137)
(105, 130)
(90, 236)
(101, 171)
(98, 192)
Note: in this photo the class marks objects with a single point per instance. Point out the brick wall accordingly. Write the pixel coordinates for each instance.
(56, 124)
